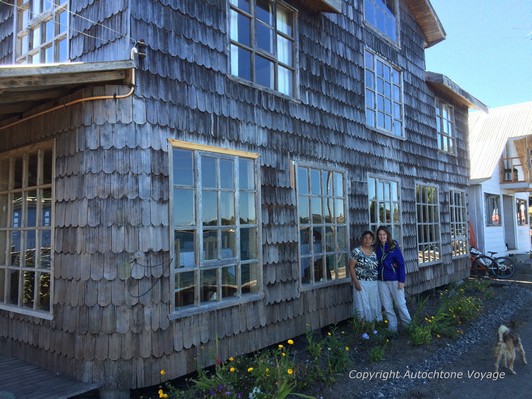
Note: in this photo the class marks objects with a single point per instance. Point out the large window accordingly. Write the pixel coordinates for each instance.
(381, 15)
(428, 224)
(41, 31)
(445, 127)
(384, 205)
(26, 214)
(384, 95)
(458, 210)
(323, 233)
(492, 206)
(215, 225)
(263, 46)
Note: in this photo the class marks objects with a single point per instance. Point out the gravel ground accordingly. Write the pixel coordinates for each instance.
(411, 363)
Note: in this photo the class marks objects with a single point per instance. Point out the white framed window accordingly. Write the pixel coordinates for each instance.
(428, 224)
(41, 29)
(384, 95)
(385, 205)
(382, 15)
(263, 44)
(492, 203)
(459, 227)
(215, 225)
(445, 127)
(323, 226)
(26, 229)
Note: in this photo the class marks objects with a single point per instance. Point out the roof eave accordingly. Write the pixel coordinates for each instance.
(427, 19)
(441, 83)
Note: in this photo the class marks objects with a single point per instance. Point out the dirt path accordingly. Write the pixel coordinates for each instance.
(472, 373)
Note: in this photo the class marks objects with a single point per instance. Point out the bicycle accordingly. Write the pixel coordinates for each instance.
(502, 267)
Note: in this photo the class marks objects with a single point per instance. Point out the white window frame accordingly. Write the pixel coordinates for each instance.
(213, 259)
(323, 235)
(428, 224)
(383, 95)
(459, 226)
(282, 76)
(387, 11)
(445, 127)
(27, 235)
(384, 205)
(34, 20)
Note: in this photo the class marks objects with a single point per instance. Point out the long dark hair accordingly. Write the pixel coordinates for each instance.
(389, 239)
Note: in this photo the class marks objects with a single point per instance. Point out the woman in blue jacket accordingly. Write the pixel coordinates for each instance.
(391, 278)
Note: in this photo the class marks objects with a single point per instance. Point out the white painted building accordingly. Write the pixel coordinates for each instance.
(500, 145)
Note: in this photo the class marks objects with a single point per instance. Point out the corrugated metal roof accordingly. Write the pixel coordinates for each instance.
(489, 132)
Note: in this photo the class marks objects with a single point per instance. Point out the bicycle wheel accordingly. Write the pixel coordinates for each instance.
(484, 265)
(506, 267)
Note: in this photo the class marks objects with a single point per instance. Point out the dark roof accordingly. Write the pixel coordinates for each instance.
(427, 19)
(24, 88)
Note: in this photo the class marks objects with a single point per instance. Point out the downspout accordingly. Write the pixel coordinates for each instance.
(134, 53)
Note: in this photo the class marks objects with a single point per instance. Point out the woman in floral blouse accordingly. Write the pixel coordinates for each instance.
(363, 269)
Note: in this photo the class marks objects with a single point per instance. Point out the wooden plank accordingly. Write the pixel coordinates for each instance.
(25, 380)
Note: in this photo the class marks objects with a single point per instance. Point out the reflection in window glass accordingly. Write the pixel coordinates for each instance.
(215, 238)
(273, 51)
(428, 224)
(322, 228)
(383, 95)
(26, 229)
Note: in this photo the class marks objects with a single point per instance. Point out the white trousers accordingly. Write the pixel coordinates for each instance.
(391, 295)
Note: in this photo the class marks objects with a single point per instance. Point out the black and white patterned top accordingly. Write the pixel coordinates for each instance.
(366, 266)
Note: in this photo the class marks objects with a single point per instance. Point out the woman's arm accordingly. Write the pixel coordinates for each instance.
(356, 283)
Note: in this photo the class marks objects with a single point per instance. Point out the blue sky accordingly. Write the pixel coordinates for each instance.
(488, 49)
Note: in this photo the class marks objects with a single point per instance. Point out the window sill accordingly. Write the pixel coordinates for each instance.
(385, 132)
(396, 44)
(324, 284)
(208, 307)
(265, 89)
(27, 312)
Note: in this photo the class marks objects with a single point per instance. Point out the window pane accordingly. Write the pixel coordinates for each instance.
(263, 11)
(184, 248)
(247, 208)
(302, 181)
(183, 168)
(209, 208)
(229, 243)
(286, 80)
(227, 208)
(264, 70)
(184, 213)
(240, 28)
(250, 278)
(210, 244)
(208, 172)
(284, 20)
(264, 37)
(248, 244)
(304, 210)
(242, 4)
(240, 62)
(246, 174)
(227, 174)
(229, 282)
(284, 50)
(184, 289)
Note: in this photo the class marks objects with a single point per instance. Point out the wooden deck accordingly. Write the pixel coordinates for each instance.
(21, 380)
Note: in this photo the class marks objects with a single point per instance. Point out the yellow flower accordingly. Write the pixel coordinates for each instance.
(290, 371)
(231, 359)
(250, 369)
(162, 372)
(347, 348)
(385, 321)
(162, 394)
(280, 346)
(290, 342)
(283, 354)
(232, 369)
(329, 333)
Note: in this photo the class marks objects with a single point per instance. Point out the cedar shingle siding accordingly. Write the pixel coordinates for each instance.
(112, 182)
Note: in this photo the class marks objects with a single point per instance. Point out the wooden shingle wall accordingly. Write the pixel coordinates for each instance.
(7, 16)
(111, 317)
